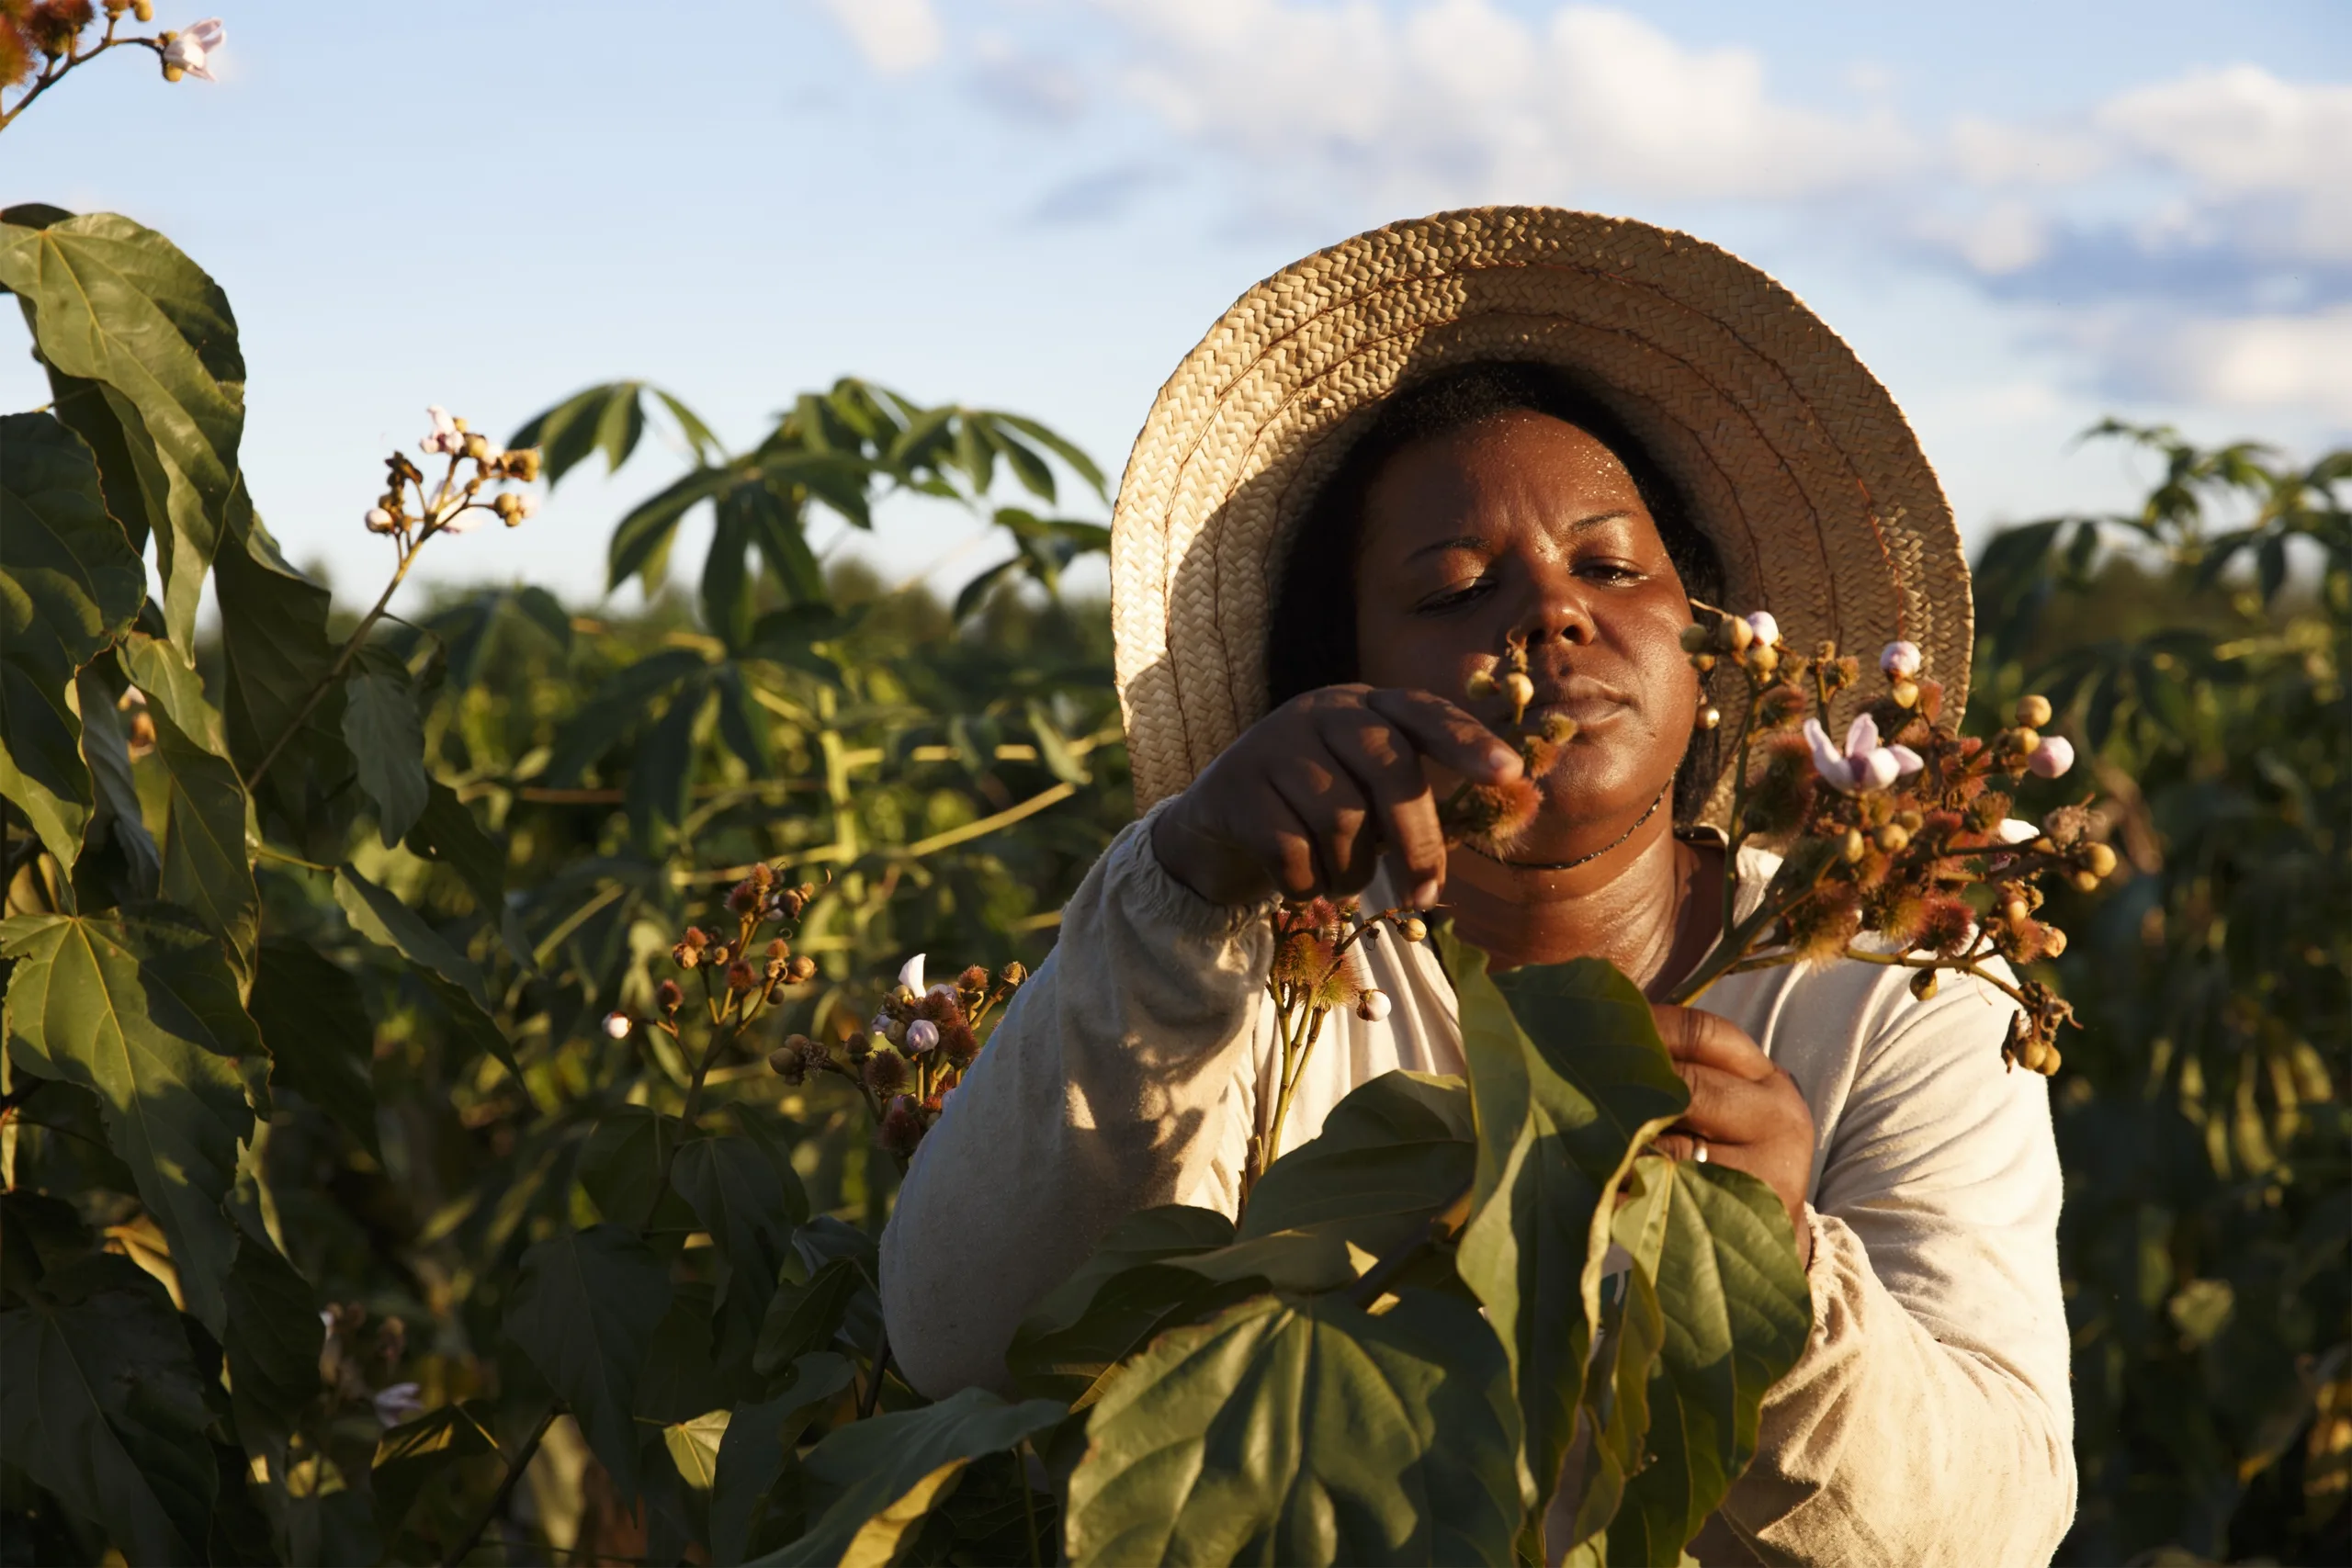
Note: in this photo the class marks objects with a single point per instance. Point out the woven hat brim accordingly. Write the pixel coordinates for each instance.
(1794, 459)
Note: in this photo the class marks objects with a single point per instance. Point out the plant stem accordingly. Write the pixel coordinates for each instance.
(505, 1492)
(1731, 949)
(873, 1395)
(53, 72)
(1028, 1506)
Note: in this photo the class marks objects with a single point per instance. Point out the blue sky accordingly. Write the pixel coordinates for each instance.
(2022, 215)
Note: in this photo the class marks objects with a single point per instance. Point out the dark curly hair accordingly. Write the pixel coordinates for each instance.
(1311, 641)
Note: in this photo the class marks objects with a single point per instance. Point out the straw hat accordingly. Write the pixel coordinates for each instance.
(1793, 459)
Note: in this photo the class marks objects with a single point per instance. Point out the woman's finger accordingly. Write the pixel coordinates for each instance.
(1327, 803)
(1446, 735)
(1728, 1109)
(1694, 1034)
(1382, 762)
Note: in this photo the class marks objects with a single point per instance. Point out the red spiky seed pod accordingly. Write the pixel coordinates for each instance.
(744, 898)
(1493, 817)
(901, 1129)
(742, 976)
(671, 995)
(959, 1045)
(886, 1073)
(973, 981)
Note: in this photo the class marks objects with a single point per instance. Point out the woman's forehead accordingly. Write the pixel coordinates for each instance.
(1511, 471)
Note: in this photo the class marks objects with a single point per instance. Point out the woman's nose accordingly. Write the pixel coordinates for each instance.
(1557, 613)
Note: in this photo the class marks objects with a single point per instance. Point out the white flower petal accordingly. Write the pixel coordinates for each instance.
(1767, 629)
(209, 33)
(2016, 830)
(1826, 759)
(1862, 738)
(1907, 760)
(1877, 769)
(910, 974)
(1900, 660)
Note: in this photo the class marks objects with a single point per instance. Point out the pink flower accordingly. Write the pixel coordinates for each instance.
(1864, 764)
(921, 1035)
(398, 1403)
(1899, 660)
(187, 50)
(1767, 629)
(2053, 757)
(1374, 1008)
(445, 436)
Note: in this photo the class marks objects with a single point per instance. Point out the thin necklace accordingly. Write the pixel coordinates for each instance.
(1580, 860)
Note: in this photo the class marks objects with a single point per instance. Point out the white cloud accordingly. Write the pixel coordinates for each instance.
(893, 35)
(2241, 132)
(1456, 101)
(2266, 362)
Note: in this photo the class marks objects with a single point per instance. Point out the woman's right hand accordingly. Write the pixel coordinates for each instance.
(1310, 797)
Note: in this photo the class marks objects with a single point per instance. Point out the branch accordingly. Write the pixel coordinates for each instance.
(505, 1492)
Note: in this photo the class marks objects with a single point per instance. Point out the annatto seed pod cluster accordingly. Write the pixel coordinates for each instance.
(910, 1057)
(1493, 817)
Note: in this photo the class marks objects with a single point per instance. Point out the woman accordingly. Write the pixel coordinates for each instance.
(1382, 464)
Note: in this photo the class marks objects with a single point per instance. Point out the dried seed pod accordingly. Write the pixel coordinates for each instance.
(669, 994)
(1924, 984)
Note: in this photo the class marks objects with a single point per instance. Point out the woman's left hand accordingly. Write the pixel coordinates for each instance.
(1745, 1111)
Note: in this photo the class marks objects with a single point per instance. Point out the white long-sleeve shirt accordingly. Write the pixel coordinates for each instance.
(1928, 1420)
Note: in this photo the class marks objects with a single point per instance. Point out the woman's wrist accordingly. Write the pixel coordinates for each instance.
(1209, 869)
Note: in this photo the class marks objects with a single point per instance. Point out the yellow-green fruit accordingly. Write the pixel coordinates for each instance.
(1906, 694)
(1696, 639)
(2033, 712)
(2098, 860)
(1923, 985)
(1893, 838)
(1763, 660)
(1855, 846)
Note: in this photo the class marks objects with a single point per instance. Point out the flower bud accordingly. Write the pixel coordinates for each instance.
(1900, 661)
(1696, 639)
(2015, 911)
(801, 970)
(1733, 635)
(684, 957)
(1519, 689)
(1762, 659)
(144, 9)
(921, 1035)
(669, 994)
(1372, 1005)
(695, 937)
(1905, 693)
(1013, 974)
(616, 1025)
(1707, 718)
(524, 463)
(1481, 684)
(2098, 860)
(2052, 757)
(2084, 882)
(716, 953)
(1853, 847)
(789, 1064)
(2018, 742)
(2033, 712)
(2053, 941)
(776, 994)
(1702, 662)
(1923, 985)
(380, 521)
(1766, 629)
(1412, 927)
(1893, 838)
(477, 447)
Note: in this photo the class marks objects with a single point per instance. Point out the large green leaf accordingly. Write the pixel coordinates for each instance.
(626, 1171)
(142, 1011)
(886, 1475)
(583, 1311)
(1569, 1081)
(618, 706)
(417, 1454)
(100, 1401)
(387, 741)
(737, 1193)
(1117, 1299)
(1390, 1158)
(272, 1347)
(205, 869)
(70, 583)
(760, 1442)
(1737, 1311)
(659, 775)
(452, 978)
(321, 1043)
(804, 1317)
(119, 817)
(446, 831)
(274, 633)
(118, 304)
(1305, 1432)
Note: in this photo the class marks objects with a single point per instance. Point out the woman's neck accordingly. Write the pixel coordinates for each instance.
(1646, 906)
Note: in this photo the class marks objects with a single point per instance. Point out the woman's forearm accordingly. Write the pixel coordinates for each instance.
(1101, 1093)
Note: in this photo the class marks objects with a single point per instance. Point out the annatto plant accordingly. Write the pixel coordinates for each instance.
(236, 875)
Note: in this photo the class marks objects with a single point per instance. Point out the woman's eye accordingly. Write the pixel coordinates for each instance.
(1609, 570)
(1455, 596)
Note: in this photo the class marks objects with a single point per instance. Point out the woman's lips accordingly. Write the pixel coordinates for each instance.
(1581, 698)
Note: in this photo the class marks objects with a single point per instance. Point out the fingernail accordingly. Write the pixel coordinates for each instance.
(1501, 758)
(1425, 897)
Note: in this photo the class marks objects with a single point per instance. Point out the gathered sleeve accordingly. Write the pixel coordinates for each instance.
(1103, 1090)
(1929, 1419)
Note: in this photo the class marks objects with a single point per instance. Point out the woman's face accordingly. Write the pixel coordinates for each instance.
(1523, 524)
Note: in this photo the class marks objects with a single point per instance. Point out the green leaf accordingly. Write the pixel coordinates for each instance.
(889, 1472)
(1053, 748)
(1569, 1080)
(274, 635)
(321, 1043)
(118, 814)
(692, 1449)
(642, 537)
(1737, 1311)
(1149, 1235)
(1079, 463)
(70, 583)
(205, 869)
(117, 304)
(271, 1347)
(447, 831)
(735, 1191)
(417, 1454)
(39, 1236)
(1615, 1403)
(760, 1442)
(803, 1318)
(100, 1401)
(660, 773)
(616, 708)
(387, 741)
(450, 974)
(142, 1011)
(1305, 1432)
(625, 1169)
(1391, 1157)
(584, 1311)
